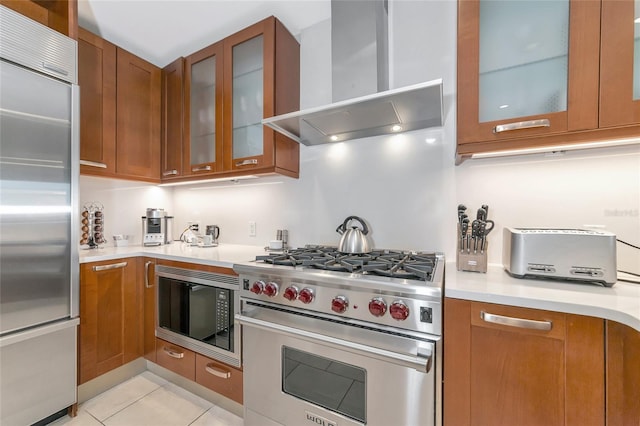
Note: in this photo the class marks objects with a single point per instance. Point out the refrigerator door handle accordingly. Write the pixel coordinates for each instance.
(75, 201)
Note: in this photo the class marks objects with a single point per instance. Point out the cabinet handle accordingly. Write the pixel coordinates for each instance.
(516, 322)
(170, 173)
(146, 274)
(217, 371)
(108, 267)
(253, 162)
(201, 169)
(530, 124)
(172, 353)
(93, 164)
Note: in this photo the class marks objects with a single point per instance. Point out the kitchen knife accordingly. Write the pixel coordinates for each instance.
(464, 228)
(475, 227)
(482, 229)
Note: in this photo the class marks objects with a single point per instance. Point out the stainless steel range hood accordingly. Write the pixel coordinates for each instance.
(362, 106)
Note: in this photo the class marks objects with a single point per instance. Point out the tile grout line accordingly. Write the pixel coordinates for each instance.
(127, 406)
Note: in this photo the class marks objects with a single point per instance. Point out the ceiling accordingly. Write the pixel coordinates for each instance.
(163, 30)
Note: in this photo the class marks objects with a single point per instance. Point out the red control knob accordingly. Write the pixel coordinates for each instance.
(257, 287)
(306, 295)
(271, 289)
(399, 310)
(339, 304)
(377, 307)
(291, 293)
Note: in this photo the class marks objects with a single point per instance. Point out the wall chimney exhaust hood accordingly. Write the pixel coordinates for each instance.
(362, 107)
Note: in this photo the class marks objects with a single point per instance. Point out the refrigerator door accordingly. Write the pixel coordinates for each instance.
(35, 198)
(38, 372)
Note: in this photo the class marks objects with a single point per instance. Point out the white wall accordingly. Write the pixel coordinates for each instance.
(405, 188)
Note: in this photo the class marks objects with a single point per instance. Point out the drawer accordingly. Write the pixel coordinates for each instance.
(219, 377)
(176, 358)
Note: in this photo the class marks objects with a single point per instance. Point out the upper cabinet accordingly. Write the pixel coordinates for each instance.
(120, 101)
(60, 15)
(172, 130)
(534, 74)
(228, 88)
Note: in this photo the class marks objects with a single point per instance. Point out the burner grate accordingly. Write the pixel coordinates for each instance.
(388, 263)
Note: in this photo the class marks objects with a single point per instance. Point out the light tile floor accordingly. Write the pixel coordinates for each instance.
(147, 399)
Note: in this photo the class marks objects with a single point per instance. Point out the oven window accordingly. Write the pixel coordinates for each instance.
(333, 385)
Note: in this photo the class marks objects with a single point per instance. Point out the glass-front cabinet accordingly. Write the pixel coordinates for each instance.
(533, 74)
(255, 88)
(202, 153)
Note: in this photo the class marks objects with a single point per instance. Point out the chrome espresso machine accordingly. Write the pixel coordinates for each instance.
(156, 228)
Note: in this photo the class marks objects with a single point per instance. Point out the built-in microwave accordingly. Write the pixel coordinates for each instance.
(196, 309)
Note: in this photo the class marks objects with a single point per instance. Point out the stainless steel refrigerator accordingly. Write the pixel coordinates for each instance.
(39, 269)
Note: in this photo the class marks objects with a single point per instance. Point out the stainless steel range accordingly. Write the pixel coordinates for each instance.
(338, 339)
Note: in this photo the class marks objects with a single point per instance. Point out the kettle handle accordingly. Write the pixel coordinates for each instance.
(365, 230)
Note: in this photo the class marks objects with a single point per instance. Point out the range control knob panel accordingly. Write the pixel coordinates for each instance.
(306, 295)
(399, 310)
(377, 307)
(291, 293)
(339, 304)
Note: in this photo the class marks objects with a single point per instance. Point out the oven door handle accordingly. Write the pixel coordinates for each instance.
(421, 362)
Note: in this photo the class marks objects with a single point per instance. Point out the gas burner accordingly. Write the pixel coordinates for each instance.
(388, 263)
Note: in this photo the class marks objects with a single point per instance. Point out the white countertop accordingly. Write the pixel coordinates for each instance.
(619, 303)
(224, 255)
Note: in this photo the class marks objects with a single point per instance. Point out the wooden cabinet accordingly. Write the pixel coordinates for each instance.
(172, 119)
(261, 79)
(229, 87)
(219, 377)
(505, 365)
(97, 79)
(60, 15)
(176, 358)
(119, 110)
(533, 75)
(137, 118)
(148, 280)
(623, 375)
(203, 112)
(110, 316)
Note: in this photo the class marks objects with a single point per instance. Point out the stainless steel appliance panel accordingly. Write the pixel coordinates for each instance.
(301, 370)
(38, 376)
(36, 195)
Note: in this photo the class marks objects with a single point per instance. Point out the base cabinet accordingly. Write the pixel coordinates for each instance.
(623, 375)
(110, 316)
(505, 365)
(218, 377)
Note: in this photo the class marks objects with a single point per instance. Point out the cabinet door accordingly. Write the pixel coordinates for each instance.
(172, 119)
(506, 366)
(110, 312)
(148, 286)
(526, 68)
(262, 79)
(620, 63)
(137, 118)
(623, 375)
(203, 111)
(97, 80)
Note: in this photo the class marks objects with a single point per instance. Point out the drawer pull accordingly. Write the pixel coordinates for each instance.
(93, 164)
(516, 322)
(170, 173)
(201, 169)
(530, 124)
(217, 371)
(108, 267)
(172, 353)
(253, 162)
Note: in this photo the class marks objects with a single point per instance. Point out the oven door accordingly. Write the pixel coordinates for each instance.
(302, 370)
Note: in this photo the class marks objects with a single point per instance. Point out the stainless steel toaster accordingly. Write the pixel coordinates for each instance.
(569, 254)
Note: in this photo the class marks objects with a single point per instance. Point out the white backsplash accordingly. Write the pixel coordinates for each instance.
(405, 188)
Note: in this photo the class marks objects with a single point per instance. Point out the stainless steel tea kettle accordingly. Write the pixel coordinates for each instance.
(354, 240)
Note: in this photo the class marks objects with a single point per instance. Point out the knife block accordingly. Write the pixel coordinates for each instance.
(470, 260)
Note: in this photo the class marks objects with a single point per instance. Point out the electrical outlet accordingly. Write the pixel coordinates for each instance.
(193, 225)
(252, 229)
